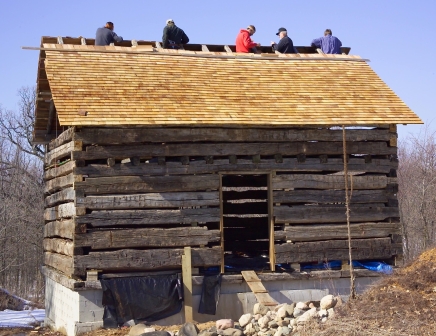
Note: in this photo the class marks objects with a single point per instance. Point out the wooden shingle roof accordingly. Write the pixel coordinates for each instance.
(147, 86)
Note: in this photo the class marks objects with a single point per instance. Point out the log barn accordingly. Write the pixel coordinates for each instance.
(237, 156)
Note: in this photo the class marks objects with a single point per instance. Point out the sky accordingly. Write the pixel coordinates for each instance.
(397, 36)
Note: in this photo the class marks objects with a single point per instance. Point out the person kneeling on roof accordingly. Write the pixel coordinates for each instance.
(244, 44)
(106, 35)
(329, 44)
(173, 36)
(285, 46)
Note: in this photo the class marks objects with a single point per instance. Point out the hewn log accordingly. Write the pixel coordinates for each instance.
(58, 245)
(315, 214)
(148, 217)
(129, 184)
(107, 136)
(152, 200)
(58, 277)
(66, 195)
(141, 260)
(60, 262)
(377, 248)
(298, 233)
(312, 181)
(62, 152)
(58, 171)
(225, 149)
(66, 210)
(63, 229)
(61, 183)
(128, 238)
(64, 137)
(201, 167)
(330, 196)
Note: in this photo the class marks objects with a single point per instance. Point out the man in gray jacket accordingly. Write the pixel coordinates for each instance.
(173, 36)
(106, 35)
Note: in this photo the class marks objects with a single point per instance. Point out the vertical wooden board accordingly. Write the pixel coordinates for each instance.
(272, 255)
(187, 284)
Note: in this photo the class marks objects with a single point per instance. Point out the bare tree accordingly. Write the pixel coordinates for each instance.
(18, 127)
(417, 194)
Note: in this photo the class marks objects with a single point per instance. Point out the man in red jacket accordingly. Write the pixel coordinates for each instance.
(244, 44)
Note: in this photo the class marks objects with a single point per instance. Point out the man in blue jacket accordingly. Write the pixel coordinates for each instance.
(106, 35)
(329, 44)
(173, 36)
(285, 46)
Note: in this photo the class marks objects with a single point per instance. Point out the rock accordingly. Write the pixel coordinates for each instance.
(331, 312)
(272, 324)
(137, 329)
(327, 302)
(283, 323)
(156, 333)
(282, 312)
(231, 332)
(149, 330)
(263, 321)
(290, 309)
(282, 331)
(249, 329)
(306, 316)
(245, 319)
(323, 313)
(269, 313)
(276, 308)
(298, 312)
(293, 322)
(339, 301)
(224, 324)
(302, 305)
(208, 333)
(188, 329)
(324, 320)
(260, 309)
(257, 316)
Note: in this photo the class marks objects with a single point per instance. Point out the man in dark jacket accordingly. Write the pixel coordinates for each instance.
(285, 46)
(106, 35)
(329, 44)
(173, 36)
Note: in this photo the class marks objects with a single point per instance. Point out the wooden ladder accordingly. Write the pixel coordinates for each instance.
(258, 289)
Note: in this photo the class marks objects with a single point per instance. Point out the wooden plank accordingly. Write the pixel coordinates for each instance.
(225, 149)
(61, 183)
(297, 233)
(106, 218)
(62, 152)
(201, 167)
(187, 284)
(129, 184)
(64, 137)
(58, 171)
(315, 214)
(271, 250)
(258, 289)
(59, 262)
(63, 229)
(312, 181)
(149, 237)
(250, 276)
(376, 248)
(57, 245)
(151, 200)
(330, 196)
(65, 195)
(105, 136)
(266, 299)
(221, 219)
(142, 260)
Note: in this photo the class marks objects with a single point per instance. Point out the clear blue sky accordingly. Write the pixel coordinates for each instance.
(397, 36)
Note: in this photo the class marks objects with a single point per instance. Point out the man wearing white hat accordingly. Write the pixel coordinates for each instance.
(173, 36)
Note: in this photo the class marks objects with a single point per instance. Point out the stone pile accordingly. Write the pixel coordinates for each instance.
(280, 320)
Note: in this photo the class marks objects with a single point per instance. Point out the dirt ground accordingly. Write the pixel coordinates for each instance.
(401, 304)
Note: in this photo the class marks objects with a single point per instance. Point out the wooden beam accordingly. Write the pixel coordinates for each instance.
(65, 195)
(82, 41)
(62, 152)
(60, 170)
(187, 284)
(57, 245)
(64, 137)
(134, 43)
(62, 229)
(59, 262)
(272, 261)
(227, 49)
(204, 48)
(60, 40)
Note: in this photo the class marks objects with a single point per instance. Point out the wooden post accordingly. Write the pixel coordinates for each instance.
(272, 256)
(187, 283)
(222, 268)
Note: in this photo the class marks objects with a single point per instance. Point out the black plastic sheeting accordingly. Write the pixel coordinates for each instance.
(210, 294)
(141, 299)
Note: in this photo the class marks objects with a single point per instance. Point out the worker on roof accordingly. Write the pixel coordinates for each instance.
(285, 46)
(106, 35)
(244, 44)
(173, 36)
(329, 44)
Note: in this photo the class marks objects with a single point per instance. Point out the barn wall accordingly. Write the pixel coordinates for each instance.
(130, 199)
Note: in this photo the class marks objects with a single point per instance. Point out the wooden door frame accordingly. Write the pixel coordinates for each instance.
(269, 175)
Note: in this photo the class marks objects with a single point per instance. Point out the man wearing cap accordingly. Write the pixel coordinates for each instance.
(173, 36)
(329, 44)
(106, 35)
(244, 44)
(285, 46)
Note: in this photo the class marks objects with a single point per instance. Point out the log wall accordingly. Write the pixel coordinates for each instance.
(123, 199)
